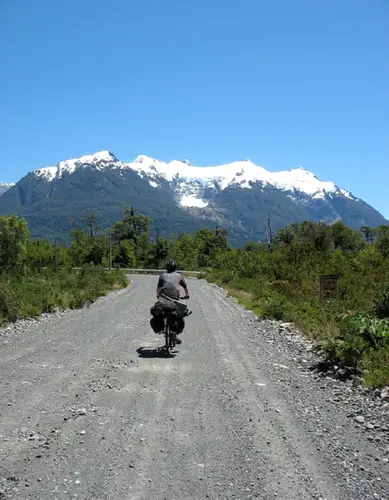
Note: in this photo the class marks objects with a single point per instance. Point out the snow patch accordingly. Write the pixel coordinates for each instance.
(347, 194)
(191, 201)
(47, 173)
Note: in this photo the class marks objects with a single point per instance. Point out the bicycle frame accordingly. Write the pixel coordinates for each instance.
(169, 336)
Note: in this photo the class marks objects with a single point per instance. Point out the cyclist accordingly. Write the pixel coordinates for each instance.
(168, 287)
(169, 283)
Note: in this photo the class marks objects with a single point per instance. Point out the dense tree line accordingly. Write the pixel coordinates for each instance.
(129, 243)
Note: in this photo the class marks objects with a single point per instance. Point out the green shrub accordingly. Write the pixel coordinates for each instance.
(63, 300)
(381, 302)
(9, 303)
(376, 368)
(362, 338)
(274, 308)
(347, 352)
(374, 331)
(78, 299)
(117, 279)
(30, 311)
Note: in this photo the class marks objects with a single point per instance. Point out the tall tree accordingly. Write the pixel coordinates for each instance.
(14, 237)
(368, 233)
(92, 225)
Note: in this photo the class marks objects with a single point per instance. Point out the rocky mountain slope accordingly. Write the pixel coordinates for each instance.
(179, 196)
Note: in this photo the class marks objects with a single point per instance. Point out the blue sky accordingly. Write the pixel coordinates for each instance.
(285, 83)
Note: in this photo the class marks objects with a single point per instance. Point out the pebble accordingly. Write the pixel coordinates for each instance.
(360, 419)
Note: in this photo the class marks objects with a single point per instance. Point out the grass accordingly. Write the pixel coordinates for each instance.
(376, 368)
(31, 295)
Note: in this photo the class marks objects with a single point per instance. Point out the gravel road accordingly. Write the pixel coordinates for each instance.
(90, 409)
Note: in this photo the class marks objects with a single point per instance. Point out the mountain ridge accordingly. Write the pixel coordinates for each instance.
(179, 196)
(237, 172)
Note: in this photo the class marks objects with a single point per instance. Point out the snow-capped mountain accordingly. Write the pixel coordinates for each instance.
(4, 186)
(179, 196)
(194, 186)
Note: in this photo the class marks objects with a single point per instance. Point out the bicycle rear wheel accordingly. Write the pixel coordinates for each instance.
(167, 337)
(172, 340)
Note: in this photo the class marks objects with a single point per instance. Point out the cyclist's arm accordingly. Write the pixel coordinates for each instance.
(159, 286)
(184, 286)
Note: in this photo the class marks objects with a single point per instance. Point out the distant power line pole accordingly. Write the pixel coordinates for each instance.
(55, 254)
(110, 250)
(268, 233)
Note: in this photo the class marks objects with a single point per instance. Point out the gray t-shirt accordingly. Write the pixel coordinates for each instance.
(169, 284)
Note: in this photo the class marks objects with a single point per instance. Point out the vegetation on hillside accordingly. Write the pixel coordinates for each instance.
(277, 280)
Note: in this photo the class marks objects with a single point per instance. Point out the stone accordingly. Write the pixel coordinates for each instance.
(357, 381)
(384, 395)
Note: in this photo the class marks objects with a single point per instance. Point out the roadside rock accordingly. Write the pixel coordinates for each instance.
(385, 394)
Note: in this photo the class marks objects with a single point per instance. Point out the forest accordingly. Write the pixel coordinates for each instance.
(277, 279)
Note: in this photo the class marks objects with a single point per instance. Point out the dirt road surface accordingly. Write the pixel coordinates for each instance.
(90, 409)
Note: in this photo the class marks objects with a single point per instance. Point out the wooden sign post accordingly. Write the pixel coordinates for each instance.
(329, 286)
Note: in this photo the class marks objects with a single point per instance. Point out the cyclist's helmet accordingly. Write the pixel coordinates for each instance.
(171, 266)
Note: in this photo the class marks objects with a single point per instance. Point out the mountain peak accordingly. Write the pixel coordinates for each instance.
(105, 155)
(143, 159)
(99, 160)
